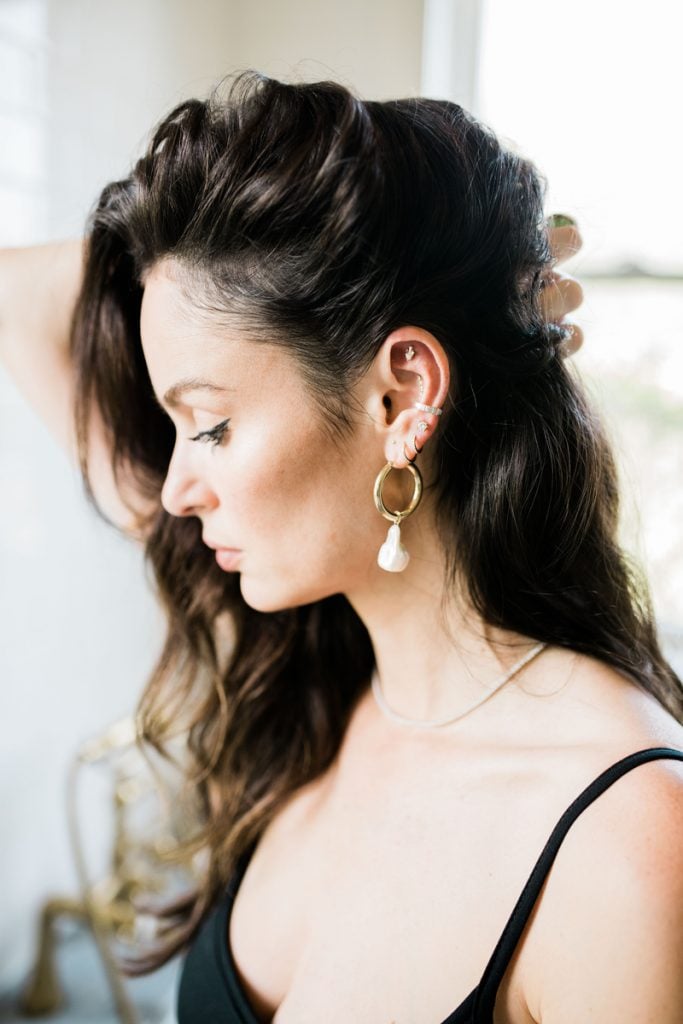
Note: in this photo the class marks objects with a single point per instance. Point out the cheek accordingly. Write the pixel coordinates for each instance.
(321, 518)
(249, 497)
(294, 499)
(254, 480)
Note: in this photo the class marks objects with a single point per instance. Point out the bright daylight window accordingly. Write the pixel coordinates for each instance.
(23, 121)
(592, 95)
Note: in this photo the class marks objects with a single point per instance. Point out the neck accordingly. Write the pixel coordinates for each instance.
(435, 662)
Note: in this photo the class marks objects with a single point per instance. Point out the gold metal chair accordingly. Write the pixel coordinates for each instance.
(139, 867)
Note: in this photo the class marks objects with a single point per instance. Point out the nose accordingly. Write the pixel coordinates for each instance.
(184, 492)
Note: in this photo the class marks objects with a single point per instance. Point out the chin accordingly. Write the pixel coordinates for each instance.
(269, 598)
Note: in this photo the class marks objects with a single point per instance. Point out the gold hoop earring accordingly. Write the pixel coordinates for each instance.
(393, 556)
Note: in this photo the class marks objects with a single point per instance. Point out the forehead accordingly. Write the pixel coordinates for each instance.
(176, 333)
(167, 318)
(180, 340)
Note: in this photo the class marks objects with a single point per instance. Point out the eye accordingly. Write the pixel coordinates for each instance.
(214, 435)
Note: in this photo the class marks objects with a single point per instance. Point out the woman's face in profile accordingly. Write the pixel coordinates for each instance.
(269, 482)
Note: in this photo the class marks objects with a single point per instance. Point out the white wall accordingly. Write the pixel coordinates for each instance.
(80, 629)
(118, 67)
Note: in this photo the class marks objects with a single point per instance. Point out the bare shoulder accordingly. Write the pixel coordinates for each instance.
(595, 705)
(607, 943)
(613, 935)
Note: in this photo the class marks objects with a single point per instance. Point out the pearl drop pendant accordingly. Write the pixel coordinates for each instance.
(393, 556)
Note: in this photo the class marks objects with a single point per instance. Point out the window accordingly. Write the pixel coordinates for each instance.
(592, 96)
(23, 121)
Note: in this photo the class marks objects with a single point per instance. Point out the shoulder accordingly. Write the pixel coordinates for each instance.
(610, 945)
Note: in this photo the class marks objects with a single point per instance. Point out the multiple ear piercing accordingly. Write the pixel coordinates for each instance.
(393, 556)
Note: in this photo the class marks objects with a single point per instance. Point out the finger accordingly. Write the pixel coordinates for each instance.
(565, 241)
(573, 343)
(561, 294)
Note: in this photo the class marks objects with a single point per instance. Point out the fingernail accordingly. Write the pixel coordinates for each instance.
(560, 220)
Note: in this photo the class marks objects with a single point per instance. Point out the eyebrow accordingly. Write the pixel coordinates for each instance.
(171, 398)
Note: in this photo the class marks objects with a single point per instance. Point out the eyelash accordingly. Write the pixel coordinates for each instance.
(215, 435)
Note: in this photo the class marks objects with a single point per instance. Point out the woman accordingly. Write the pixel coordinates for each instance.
(395, 683)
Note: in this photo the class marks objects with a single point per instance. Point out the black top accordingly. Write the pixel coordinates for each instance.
(210, 991)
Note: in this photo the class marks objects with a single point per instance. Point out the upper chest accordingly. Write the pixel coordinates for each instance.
(377, 908)
(378, 892)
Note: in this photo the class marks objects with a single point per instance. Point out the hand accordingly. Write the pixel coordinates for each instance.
(562, 293)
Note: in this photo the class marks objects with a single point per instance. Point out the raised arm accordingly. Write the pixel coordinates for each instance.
(38, 289)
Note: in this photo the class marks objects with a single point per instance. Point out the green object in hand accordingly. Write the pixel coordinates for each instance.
(560, 220)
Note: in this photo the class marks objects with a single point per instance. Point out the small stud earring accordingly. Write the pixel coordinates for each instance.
(410, 352)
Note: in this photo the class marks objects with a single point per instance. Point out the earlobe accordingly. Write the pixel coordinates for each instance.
(393, 555)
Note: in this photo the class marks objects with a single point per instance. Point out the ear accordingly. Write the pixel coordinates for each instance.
(411, 366)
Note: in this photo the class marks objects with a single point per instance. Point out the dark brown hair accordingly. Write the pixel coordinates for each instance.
(323, 221)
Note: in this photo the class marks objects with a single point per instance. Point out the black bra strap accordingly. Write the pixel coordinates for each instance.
(498, 962)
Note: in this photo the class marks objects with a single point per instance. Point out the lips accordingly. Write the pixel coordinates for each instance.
(216, 546)
(229, 560)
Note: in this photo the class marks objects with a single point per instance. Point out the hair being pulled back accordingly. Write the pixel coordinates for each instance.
(306, 215)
